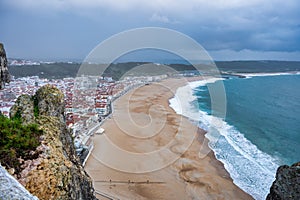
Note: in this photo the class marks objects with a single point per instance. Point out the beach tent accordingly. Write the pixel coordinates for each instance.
(100, 131)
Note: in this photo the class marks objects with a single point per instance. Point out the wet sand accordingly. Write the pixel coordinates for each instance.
(150, 152)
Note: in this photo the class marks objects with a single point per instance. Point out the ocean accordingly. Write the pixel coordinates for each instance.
(261, 129)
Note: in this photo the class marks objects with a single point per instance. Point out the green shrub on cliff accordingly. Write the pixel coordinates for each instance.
(16, 141)
(35, 106)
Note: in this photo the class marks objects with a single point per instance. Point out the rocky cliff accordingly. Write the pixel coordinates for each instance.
(287, 183)
(56, 173)
(4, 75)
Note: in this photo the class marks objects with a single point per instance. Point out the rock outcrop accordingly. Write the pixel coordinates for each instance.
(57, 172)
(4, 74)
(287, 183)
(50, 102)
(25, 108)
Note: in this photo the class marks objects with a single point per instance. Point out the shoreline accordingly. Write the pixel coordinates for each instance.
(190, 176)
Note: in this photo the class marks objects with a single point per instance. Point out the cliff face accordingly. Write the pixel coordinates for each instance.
(287, 183)
(4, 75)
(57, 172)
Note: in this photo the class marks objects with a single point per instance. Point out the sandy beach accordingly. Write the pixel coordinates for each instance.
(150, 152)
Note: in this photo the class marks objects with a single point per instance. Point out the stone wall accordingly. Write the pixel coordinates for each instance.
(10, 188)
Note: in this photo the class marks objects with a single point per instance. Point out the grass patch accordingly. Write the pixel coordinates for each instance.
(17, 141)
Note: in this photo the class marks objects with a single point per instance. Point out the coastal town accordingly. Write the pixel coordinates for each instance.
(88, 101)
(150, 100)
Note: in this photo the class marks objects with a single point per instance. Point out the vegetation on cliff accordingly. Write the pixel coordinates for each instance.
(37, 148)
(17, 141)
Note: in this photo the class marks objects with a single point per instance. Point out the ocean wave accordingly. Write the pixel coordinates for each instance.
(250, 75)
(181, 102)
(250, 168)
(196, 84)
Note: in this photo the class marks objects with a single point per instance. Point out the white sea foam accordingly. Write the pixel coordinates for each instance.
(250, 75)
(251, 169)
(181, 102)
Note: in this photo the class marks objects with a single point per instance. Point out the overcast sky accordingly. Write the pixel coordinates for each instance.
(227, 29)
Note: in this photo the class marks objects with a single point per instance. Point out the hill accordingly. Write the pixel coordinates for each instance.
(60, 70)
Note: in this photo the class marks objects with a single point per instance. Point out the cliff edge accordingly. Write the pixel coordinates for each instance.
(55, 171)
(4, 75)
(287, 183)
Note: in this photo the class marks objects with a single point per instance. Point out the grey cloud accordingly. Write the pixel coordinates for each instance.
(257, 25)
